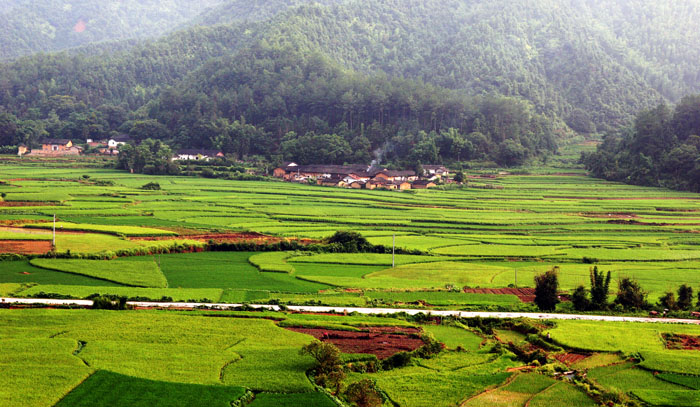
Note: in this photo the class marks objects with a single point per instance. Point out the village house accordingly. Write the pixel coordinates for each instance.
(117, 141)
(423, 184)
(55, 148)
(435, 170)
(192, 154)
(358, 176)
(392, 175)
(294, 171)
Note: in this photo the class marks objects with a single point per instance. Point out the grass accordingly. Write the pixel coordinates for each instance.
(273, 262)
(132, 271)
(110, 229)
(9, 289)
(227, 270)
(455, 337)
(630, 338)
(42, 359)
(442, 298)
(628, 378)
(517, 392)
(108, 388)
(291, 400)
(598, 360)
(421, 387)
(507, 335)
(692, 382)
(675, 398)
(24, 273)
(433, 275)
(155, 294)
(562, 394)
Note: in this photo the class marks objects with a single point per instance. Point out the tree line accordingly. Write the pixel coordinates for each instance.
(661, 149)
(630, 295)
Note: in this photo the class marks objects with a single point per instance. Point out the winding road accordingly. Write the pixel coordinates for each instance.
(366, 311)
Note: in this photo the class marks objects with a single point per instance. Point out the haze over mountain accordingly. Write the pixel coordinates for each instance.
(30, 26)
(586, 65)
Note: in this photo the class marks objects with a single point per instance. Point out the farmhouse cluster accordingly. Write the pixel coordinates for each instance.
(65, 147)
(360, 176)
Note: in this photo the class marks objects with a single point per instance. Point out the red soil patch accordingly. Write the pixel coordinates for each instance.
(570, 358)
(26, 203)
(380, 341)
(524, 294)
(681, 342)
(25, 246)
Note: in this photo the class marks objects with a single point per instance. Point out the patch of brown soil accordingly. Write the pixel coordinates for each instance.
(17, 222)
(570, 358)
(524, 294)
(25, 246)
(380, 341)
(681, 342)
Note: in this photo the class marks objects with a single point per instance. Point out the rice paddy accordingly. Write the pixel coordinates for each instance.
(469, 245)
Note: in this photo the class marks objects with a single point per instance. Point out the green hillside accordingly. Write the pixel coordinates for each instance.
(509, 79)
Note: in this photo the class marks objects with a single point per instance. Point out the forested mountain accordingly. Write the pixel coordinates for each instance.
(661, 149)
(504, 79)
(30, 26)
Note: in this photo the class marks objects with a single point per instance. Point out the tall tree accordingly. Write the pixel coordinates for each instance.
(600, 288)
(546, 289)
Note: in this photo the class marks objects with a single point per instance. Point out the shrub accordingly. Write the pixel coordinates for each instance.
(350, 242)
(397, 360)
(111, 302)
(364, 394)
(579, 298)
(151, 186)
(630, 294)
(328, 368)
(668, 301)
(685, 297)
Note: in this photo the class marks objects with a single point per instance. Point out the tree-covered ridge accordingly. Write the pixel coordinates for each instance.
(236, 11)
(568, 58)
(32, 26)
(374, 73)
(661, 149)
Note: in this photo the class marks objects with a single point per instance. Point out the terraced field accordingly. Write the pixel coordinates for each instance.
(471, 237)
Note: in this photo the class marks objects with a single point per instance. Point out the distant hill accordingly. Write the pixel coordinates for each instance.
(30, 26)
(541, 67)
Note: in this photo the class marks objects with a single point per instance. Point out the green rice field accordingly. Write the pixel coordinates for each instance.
(469, 237)
(467, 247)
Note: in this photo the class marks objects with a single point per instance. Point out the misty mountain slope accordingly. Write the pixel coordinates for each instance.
(586, 62)
(32, 26)
(236, 11)
(552, 53)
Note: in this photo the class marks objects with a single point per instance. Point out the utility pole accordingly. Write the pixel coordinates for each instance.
(393, 252)
(54, 231)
